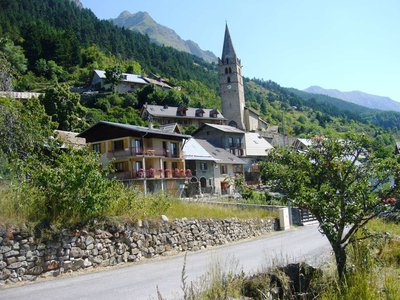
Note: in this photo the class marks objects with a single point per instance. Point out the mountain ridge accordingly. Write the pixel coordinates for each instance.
(358, 97)
(160, 34)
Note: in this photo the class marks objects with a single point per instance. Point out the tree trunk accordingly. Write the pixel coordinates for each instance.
(340, 256)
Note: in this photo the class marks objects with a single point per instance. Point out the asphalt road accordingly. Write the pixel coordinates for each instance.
(140, 281)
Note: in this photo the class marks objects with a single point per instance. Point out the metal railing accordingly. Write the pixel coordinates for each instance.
(133, 151)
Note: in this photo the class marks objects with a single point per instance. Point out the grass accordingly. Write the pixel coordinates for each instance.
(132, 207)
(373, 274)
(180, 209)
(9, 210)
(381, 226)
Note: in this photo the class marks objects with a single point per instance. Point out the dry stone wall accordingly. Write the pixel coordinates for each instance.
(23, 257)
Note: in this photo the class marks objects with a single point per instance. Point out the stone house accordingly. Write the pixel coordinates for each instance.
(257, 149)
(301, 145)
(223, 136)
(149, 158)
(213, 168)
(129, 82)
(70, 139)
(186, 116)
(250, 147)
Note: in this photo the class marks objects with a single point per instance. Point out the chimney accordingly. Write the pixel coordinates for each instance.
(150, 125)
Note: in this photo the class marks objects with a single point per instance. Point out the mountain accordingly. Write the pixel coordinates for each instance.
(77, 3)
(162, 35)
(360, 98)
(340, 104)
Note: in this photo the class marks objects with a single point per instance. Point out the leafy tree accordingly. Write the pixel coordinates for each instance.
(64, 107)
(133, 68)
(114, 76)
(50, 70)
(342, 182)
(73, 186)
(18, 137)
(15, 55)
(5, 74)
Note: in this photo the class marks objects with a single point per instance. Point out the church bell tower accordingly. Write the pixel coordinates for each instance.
(231, 84)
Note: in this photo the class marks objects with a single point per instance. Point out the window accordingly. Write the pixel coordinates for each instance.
(119, 167)
(226, 70)
(174, 165)
(203, 166)
(138, 146)
(213, 113)
(138, 165)
(174, 149)
(237, 142)
(199, 112)
(165, 148)
(230, 142)
(223, 169)
(118, 145)
(229, 80)
(96, 147)
(230, 70)
(227, 61)
(233, 124)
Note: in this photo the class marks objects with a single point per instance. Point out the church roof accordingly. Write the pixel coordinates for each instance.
(228, 51)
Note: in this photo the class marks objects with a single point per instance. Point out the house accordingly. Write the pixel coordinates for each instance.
(223, 136)
(173, 127)
(164, 114)
(128, 83)
(248, 146)
(213, 168)
(70, 139)
(146, 157)
(256, 149)
(19, 95)
(301, 144)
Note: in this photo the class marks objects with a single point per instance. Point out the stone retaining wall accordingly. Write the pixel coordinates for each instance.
(24, 257)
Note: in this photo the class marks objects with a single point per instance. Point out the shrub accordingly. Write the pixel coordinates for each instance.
(72, 187)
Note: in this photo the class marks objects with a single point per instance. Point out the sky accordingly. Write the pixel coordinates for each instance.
(343, 44)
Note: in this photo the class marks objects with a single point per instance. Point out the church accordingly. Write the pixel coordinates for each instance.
(232, 91)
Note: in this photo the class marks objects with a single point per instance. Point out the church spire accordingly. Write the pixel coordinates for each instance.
(228, 51)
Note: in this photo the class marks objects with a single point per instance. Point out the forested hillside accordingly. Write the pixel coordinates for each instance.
(58, 30)
(51, 42)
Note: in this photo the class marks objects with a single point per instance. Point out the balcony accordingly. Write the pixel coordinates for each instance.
(152, 174)
(133, 151)
(236, 151)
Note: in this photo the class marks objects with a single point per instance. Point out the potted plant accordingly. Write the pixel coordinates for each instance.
(141, 173)
(188, 173)
(176, 172)
(150, 173)
(167, 172)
